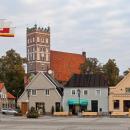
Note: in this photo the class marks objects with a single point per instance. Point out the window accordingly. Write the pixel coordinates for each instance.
(28, 40)
(42, 58)
(28, 49)
(116, 104)
(38, 40)
(33, 48)
(40, 49)
(98, 92)
(33, 92)
(85, 92)
(47, 58)
(47, 50)
(47, 92)
(43, 67)
(33, 39)
(33, 56)
(73, 92)
(46, 40)
(127, 90)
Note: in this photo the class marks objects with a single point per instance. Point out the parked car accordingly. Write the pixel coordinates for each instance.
(8, 111)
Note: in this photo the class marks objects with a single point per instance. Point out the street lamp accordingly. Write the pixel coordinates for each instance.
(78, 91)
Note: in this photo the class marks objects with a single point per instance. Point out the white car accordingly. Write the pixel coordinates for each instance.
(8, 111)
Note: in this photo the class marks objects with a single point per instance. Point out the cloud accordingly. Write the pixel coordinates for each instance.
(100, 27)
(29, 2)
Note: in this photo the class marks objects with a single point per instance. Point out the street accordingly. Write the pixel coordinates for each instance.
(8, 122)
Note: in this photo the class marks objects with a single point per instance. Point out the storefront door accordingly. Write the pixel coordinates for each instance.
(94, 106)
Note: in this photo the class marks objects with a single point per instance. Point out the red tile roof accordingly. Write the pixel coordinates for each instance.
(1, 86)
(10, 96)
(65, 64)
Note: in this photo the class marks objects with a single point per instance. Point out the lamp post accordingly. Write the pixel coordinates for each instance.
(78, 91)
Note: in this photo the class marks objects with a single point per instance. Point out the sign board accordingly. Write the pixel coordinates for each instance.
(6, 29)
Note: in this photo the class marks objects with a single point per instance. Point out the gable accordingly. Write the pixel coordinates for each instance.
(40, 82)
(122, 85)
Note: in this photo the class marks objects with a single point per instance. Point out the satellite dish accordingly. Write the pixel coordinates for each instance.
(50, 71)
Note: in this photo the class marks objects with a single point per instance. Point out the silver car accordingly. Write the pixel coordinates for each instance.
(8, 111)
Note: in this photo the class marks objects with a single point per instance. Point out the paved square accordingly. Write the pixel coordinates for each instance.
(8, 122)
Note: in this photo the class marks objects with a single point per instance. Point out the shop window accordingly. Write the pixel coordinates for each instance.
(116, 104)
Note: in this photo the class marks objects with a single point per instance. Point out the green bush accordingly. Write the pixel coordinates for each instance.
(61, 109)
(44, 111)
(32, 113)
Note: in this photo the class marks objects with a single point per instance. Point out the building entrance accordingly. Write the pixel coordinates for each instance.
(126, 105)
(94, 106)
(40, 107)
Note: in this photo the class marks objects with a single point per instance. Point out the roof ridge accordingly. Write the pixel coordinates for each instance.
(67, 52)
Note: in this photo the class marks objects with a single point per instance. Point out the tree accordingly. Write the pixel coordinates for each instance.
(91, 65)
(12, 72)
(112, 72)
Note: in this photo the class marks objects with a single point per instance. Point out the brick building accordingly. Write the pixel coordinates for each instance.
(38, 49)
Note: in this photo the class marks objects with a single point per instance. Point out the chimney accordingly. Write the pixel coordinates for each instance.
(84, 54)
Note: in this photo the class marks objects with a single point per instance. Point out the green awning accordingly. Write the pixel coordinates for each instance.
(83, 102)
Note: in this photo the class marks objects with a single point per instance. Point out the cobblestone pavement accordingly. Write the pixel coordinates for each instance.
(8, 122)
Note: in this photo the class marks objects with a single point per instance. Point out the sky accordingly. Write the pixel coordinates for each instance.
(99, 27)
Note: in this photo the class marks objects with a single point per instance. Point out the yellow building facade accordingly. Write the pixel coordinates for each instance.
(119, 96)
